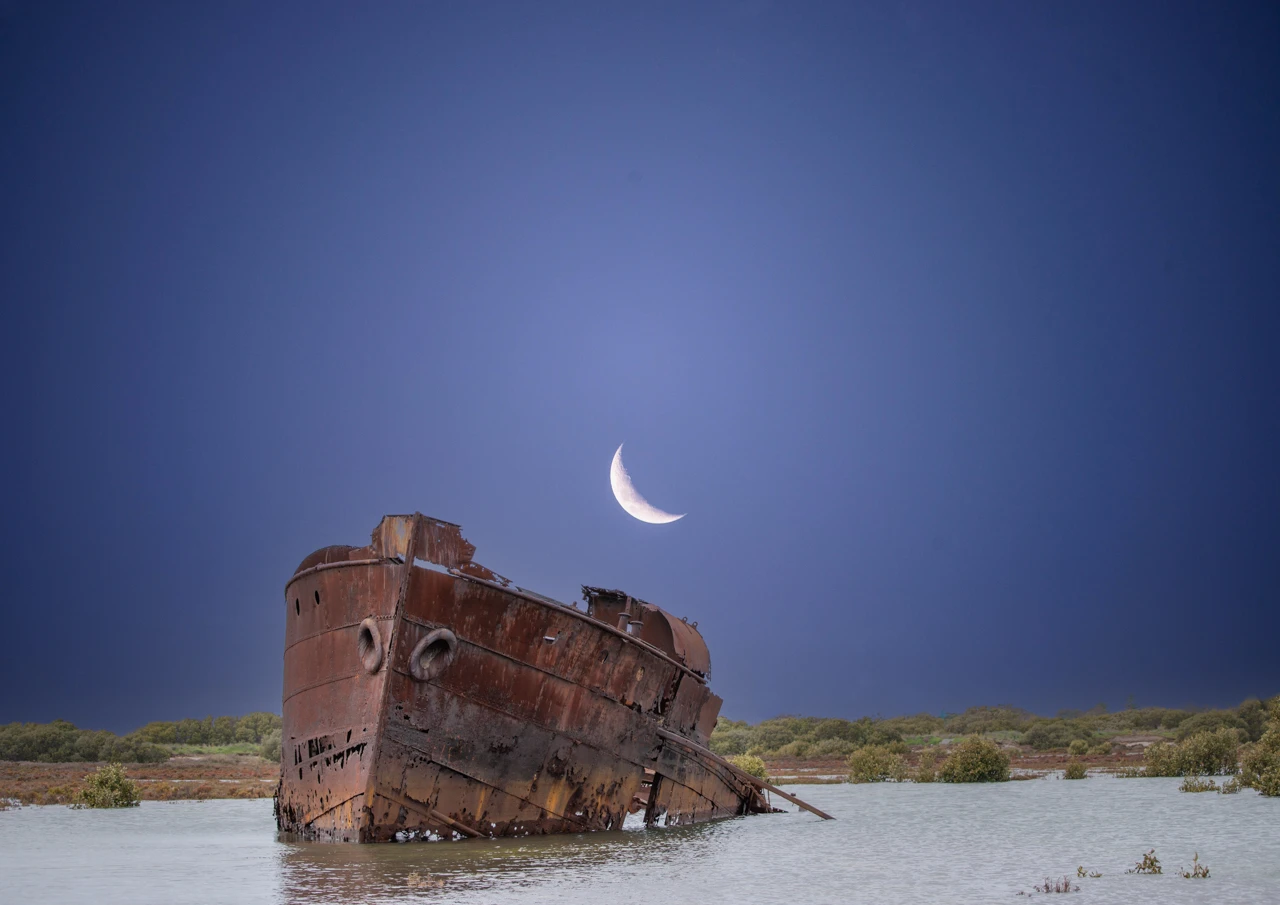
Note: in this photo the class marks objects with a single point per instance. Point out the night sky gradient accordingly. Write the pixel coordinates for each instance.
(952, 326)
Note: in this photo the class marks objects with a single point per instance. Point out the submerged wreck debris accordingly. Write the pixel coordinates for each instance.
(427, 697)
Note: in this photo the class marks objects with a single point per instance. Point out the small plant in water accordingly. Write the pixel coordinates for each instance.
(1091, 874)
(1196, 784)
(1230, 786)
(417, 881)
(108, 788)
(1149, 864)
(1198, 871)
(1075, 770)
(1062, 885)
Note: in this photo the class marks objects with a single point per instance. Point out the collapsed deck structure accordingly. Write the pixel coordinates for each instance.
(426, 696)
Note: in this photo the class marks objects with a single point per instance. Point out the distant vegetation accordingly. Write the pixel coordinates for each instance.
(1219, 752)
(63, 742)
(1075, 770)
(818, 737)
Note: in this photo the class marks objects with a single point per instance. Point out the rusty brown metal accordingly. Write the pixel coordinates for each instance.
(487, 710)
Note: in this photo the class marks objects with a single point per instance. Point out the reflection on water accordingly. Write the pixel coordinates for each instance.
(891, 843)
(314, 872)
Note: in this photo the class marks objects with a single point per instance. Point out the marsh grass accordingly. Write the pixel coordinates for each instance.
(1091, 874)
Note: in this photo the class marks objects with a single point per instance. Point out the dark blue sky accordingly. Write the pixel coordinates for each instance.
(953, 327)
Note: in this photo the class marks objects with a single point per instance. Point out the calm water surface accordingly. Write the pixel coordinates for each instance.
(890, 843)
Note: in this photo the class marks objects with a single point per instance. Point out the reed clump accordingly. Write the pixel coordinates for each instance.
(108, 788)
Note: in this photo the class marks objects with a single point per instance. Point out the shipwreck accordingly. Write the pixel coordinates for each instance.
(428, 697)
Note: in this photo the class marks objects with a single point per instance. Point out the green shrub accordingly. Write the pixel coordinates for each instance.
(750, 764)
(1161, 759)
(923, 725)
(108, 788)
(1203, 754)
(1260, 764)
(1078, 747)
(795, 748)
(876, 763)
(1209, 721)
(987, 719)
(832, 747)
(927, 769)
(1210, 753)
(1075, 770)
(1102, 749)
(63, 742)
(730, 741)
(270, 748)
(1253, 714)
(976, 760)
(1047, 734)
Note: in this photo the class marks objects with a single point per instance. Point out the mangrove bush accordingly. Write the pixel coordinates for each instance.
(975, 760)
(108, 788)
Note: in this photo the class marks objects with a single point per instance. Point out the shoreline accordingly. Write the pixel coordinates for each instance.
(182, 778)
(216, 776)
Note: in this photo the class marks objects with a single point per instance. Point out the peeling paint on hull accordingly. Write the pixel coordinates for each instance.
(428, 697)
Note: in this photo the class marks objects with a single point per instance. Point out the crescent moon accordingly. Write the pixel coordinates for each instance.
(630, 499)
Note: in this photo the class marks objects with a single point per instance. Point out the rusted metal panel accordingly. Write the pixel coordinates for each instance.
(446, 703)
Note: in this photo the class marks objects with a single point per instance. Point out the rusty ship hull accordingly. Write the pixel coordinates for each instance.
(428, 697)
